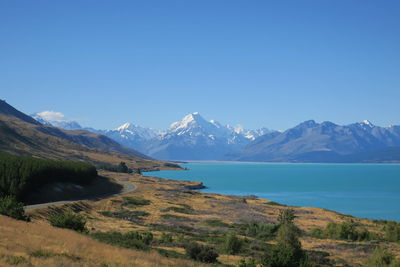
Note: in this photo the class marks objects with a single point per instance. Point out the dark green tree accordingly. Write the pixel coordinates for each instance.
(9, 206)
(122, 167)
(288, 251)
(201, 253)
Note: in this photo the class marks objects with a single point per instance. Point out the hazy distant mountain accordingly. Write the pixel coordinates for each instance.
(324, 142)
(194, 138)
(191, 138)
(61, 123)
(20, 134)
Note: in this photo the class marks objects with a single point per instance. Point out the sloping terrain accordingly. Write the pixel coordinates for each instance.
(22, 135)
(325, 142)
(169, 208)
(38, 244)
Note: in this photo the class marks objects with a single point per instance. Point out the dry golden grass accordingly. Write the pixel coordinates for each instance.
(18, 240)
(230, 209)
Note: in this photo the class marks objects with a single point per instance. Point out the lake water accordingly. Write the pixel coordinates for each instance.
(362, 190)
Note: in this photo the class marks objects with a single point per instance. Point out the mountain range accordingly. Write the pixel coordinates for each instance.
(21, 134)
(194, 138)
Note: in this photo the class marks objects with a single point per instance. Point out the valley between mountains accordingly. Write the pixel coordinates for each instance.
(163, 222)
(195, 138)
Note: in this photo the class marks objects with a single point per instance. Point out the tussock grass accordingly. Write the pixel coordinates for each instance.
(21, 241)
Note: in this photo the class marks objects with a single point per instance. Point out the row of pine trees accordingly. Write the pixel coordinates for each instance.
(20, 175)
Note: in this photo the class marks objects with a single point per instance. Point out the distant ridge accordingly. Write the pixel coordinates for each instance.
(22, 135)
(325, 142)
(9, 110)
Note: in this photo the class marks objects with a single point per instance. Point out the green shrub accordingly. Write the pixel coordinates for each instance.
(216, 223)
(345, 230)
(173, 216)
(171, 253)
(232, 244)
(127, 215)
(15, 260)
(382, 258)
(247, 263)
(392, 231)
(41, 254)
(183, 209)
(201, 253)
(263, 231)
(166, 238)
(9, 206)
(68, 220)
(132, 240)
(132, 201)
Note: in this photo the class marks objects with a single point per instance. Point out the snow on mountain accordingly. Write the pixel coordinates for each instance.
(320, 142)
(130, 129)
(193, 137)
(56, 119)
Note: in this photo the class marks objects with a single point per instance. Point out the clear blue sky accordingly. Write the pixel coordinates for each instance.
(257, 63)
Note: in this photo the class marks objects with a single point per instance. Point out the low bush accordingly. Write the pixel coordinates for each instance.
(392, 231)
(9, 206)
(68, 220)
(201, 253)
(232, 244)
(166, 238)
(175, 217)
(382, 258)
(345, 230)
(132, 240)
(264, 231)
(132, 201)
(180, 210)
(127, 215)
(247, 262)
(216, 223)
(171, 253)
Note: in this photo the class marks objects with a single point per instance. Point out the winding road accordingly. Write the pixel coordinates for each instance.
(128, 187)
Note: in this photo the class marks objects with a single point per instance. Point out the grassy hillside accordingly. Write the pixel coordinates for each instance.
(38, 244)
(21, 135)
(177, 216)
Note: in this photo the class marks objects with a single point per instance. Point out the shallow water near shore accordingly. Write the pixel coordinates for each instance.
(363, 190)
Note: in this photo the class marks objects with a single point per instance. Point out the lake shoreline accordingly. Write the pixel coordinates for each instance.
(359, 200)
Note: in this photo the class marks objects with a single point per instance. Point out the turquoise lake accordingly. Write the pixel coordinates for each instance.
(362, 190)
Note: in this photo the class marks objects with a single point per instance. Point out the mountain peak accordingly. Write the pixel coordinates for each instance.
(190, 119)
(124, 126)
(367, 122)
(308, 123)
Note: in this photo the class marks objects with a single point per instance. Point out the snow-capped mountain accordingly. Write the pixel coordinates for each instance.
(56, 119)
(324, 142)
(191, 138)
(194, 138)
(131, 135)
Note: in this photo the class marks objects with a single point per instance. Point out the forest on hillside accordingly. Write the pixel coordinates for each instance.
(19, 176)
